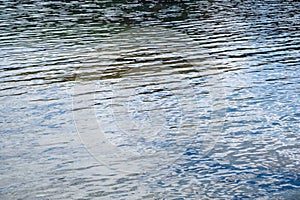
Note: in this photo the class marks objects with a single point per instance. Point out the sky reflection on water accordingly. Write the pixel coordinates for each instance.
(205, 94)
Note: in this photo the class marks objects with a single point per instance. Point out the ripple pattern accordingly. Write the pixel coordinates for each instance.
(209, 91)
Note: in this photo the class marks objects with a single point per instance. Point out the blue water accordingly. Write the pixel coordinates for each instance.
(150, 100)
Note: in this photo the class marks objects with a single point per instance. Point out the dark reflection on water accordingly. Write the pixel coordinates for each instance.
(234, 88)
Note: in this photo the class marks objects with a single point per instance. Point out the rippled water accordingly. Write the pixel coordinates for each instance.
(150, 100)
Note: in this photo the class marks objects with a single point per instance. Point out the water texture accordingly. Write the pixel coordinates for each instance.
(150, 99)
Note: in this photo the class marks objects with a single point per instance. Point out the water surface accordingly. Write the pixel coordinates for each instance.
(150, 100)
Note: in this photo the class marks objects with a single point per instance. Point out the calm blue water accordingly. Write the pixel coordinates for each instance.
(150, 100)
